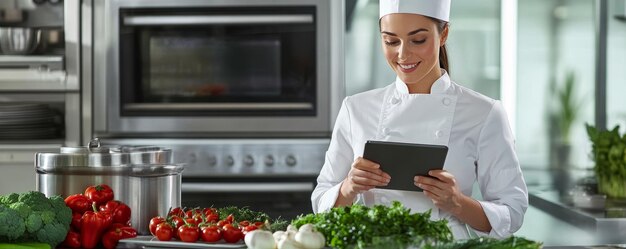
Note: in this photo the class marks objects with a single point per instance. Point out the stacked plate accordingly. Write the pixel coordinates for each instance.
(29, 121)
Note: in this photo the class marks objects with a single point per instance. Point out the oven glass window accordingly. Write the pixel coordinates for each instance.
(218, 61)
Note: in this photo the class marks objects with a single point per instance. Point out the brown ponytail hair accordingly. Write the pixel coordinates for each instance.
(443, 51)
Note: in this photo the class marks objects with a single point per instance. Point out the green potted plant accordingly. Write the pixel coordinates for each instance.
(562, 115)
(609, 155)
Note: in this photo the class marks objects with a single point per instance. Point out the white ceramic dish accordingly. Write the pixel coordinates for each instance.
(150, 241)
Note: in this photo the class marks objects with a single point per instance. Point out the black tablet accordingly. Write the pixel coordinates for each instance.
(403, 161)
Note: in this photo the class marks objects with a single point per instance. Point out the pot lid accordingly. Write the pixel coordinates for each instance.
(96, 155)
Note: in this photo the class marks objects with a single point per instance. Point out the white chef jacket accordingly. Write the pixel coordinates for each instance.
(475, 129)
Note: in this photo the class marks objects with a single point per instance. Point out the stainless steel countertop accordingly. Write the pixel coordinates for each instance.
(549, 192)
(606, 230)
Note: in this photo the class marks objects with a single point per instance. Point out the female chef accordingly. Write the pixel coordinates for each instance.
(423, 105)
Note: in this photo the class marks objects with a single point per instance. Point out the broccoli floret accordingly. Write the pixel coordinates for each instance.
(33, 217)
(21, 208)
(33, 223)
(47, 217)
(9, 199)
(63, 213)
(11, 224)
(37, 201)
(53, 233)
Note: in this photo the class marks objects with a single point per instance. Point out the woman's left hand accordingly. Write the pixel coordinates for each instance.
(442, 189)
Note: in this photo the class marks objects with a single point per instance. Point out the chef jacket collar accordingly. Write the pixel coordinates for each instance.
(439, 86)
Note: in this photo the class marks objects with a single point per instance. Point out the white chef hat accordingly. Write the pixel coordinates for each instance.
(439, 9)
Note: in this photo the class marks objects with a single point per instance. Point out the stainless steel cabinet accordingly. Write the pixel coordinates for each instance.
(48, 74)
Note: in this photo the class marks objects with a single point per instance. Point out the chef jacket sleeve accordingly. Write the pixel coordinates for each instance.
(505, 196)
(337, 164)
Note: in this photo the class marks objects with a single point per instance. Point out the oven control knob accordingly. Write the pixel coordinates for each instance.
(269, 160)
(212, 160)
(230, 161)
(290, 160)
(248, 161)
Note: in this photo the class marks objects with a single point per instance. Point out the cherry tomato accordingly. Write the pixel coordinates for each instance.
(188, 233)
(221, 223)
(259, 224)
(211, 233)
(232, 235)
(176, 212)
(99, 194)
(191, 221)
(230, 218)
(212, 218)
(227, 226)
(244, 223)
(177, 222)
(198, 218)
(190, 213)
(154, 222)
(164, 231)
(209, 211)
(249, 228)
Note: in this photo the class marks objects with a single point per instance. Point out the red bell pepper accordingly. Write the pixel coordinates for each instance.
(76, 220)
(119, 211)
(94, 224)
(72, 240)
(116, 233)
(78, 203)
(100, 194)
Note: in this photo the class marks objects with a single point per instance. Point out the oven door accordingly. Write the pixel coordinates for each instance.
(217, 67)
(276, 197)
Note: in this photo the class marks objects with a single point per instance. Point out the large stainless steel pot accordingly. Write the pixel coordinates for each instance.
(142, 177)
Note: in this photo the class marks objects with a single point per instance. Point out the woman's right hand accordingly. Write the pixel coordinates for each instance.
(363, 176)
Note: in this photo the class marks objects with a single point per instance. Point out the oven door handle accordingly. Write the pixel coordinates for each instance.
(216, 19)
(246, 187)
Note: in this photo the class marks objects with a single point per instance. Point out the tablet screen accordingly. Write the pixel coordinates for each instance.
(403, 161)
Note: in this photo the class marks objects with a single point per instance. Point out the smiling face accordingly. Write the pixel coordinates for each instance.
(411, 45)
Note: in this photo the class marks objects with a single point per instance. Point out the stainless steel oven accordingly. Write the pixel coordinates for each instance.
(217, 67)
(244, 92)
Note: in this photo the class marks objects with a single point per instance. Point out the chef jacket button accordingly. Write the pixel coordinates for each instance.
(446, 101)
(439, 133)
(386, 131)
(394, 101)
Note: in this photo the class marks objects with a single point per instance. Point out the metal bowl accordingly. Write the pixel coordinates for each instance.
(19, 41)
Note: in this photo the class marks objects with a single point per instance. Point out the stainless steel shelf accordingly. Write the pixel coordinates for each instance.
(33, 80)
(51, 62)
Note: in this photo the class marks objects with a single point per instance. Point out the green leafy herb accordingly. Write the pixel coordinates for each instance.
(487, 243)
(243, 213)
(279, 224)
(609, 154)
(359, 226)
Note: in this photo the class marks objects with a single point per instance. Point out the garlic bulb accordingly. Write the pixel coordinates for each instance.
(309, 237)
(260, 239)
(286, 242)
